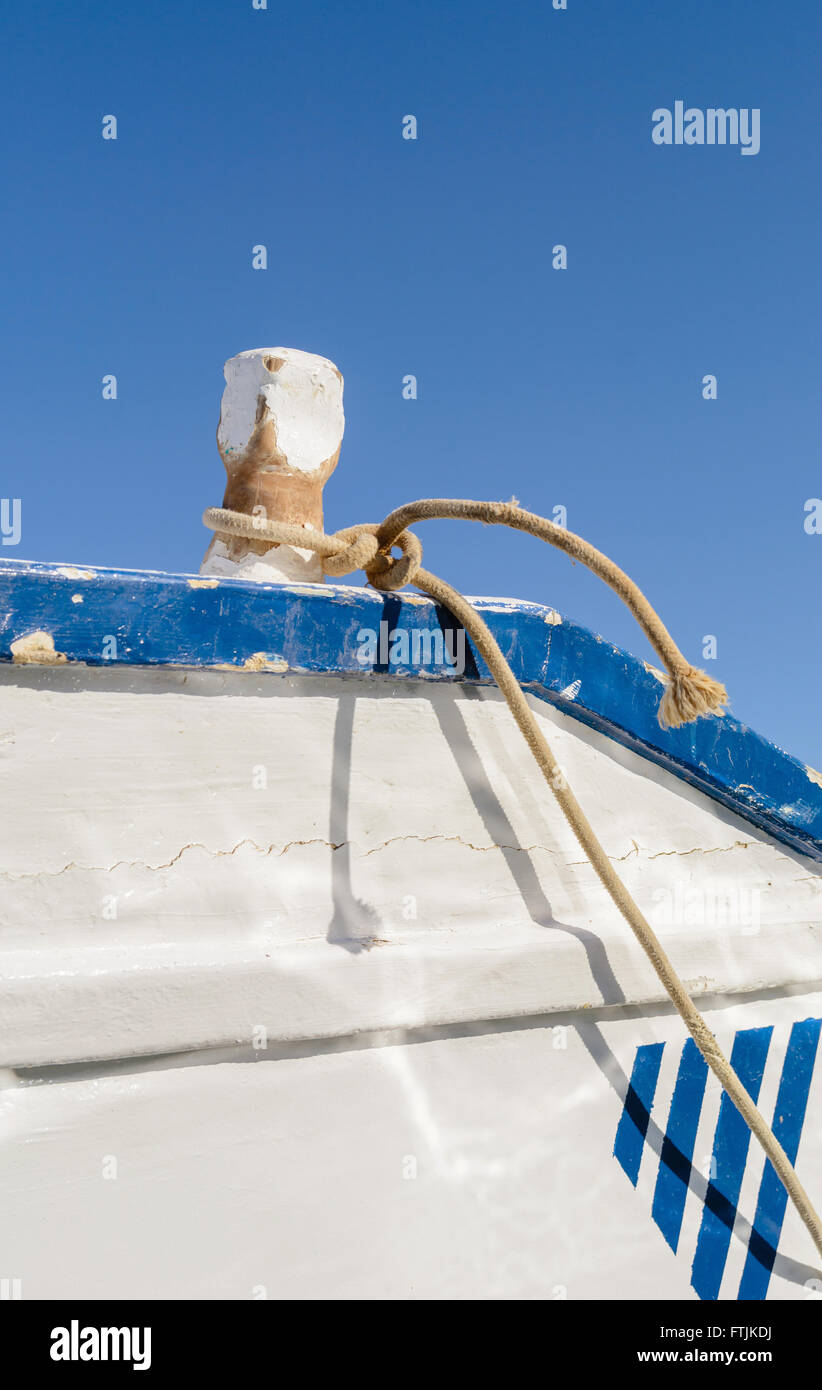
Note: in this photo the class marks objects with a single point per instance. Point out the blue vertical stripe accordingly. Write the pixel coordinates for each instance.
(636, 1114)
(678, 1144)
(789, 1116)
(730, 1151)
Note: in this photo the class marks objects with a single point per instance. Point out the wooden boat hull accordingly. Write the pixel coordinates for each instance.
(307, 990)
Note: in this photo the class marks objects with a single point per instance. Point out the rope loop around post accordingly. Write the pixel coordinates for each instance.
(387, 573)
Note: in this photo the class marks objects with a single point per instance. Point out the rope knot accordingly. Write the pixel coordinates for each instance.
(360, 546)
(361, 550)
(388, 572)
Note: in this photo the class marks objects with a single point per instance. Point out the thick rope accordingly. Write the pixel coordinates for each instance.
(368, 547)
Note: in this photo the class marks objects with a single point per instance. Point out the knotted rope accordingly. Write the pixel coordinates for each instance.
(689, 693)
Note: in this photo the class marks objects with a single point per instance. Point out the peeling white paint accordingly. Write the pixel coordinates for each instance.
(303, 394)
(280, 432)
(261, 661)
(571, 691)
(72, 572)
(36, 648)
(282, 564)
(311, 590)
(258, 661)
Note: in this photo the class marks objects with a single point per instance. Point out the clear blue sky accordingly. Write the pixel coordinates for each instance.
(578, 387)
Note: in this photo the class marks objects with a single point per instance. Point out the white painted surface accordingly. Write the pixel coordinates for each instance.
(463, 1167)
(282, 564)
(303, 396)
(309, 861)
(196, 852)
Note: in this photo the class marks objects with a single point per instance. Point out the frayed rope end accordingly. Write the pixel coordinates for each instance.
(688, 695)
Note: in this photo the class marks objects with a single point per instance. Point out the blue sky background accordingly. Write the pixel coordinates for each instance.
(580, 388)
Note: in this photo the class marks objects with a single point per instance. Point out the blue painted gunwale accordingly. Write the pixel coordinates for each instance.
(179, 620)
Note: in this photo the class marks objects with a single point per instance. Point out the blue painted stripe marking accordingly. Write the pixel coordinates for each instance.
(636, 1113)
(678, 1145)
(730, 1151)
(789, 1117)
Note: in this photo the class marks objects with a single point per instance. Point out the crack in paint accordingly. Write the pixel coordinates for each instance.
(718, 849)
(266, 850)
(156, 868)
(279, 851)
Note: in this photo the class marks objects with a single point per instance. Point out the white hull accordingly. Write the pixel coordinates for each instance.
(308, 991)
(461, 1167)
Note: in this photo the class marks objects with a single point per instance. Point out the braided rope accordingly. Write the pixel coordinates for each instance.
(688, 694)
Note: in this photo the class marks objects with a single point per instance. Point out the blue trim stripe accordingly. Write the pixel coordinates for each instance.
(730, 1150)
(678, 1145)
(636, 1113)
(174, 620)
(789, 1117)
(731, 1142)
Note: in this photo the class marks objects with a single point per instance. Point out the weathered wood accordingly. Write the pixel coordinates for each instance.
(279, 436)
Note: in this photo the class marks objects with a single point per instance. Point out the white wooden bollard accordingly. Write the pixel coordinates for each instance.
(279, 436)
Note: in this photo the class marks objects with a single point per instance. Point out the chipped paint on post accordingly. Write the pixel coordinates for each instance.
(280, 432)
